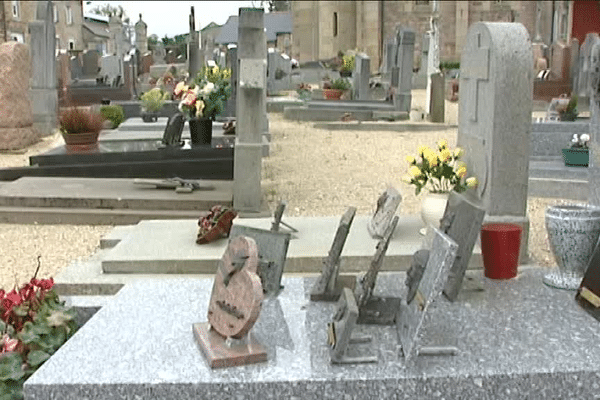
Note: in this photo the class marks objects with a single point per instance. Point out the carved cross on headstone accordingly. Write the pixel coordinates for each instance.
(475, 68)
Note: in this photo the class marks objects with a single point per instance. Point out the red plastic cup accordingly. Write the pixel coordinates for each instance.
(500, 245)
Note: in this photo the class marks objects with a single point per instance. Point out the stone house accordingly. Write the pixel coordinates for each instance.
(323, 28)
(95, 32)
(15, 16)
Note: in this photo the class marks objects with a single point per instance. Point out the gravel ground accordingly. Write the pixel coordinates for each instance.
(318, 172)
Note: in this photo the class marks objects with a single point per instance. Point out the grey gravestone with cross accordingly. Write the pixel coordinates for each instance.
(496, 81)
(428, 288)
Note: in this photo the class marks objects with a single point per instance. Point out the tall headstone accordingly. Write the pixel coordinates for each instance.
(437, 97)
(574, 67)
(16, 118)
(594, 90)
(141, 36)
(194, 54)
(251, 110)
(421, 78)
(91, 63)
(362, 74)
(496, 83)
(42, 41)
(402, 73)
(76, 68)
(389, 57)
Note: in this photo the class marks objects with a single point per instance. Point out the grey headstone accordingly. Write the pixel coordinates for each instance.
(462, 223)
(496, 83)
(585, 63)
(437, 104)
(272, 250)
(574, 68)
(361, 76)
(441, 256)
(279, 72)
(387, 204)
(91, 62)
(110, 69)
(76, 68)
(404, 59)
(327, 287)
(594, 165)
(173, 130)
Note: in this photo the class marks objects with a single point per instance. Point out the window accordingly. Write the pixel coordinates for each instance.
(69, 15)
(71, 44)
(16, 9)
(335, 24)
(55, 12)
(17, 37)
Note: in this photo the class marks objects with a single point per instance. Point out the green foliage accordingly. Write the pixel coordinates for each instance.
(154, 99)
(348, 61)
(340, 84)
(570, 113)
(449, 65)
(115, 114)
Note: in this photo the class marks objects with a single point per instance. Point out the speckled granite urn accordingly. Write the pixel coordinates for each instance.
(573, 231)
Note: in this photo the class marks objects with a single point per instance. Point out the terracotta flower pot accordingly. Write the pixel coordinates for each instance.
(332, 94)
(80, 139)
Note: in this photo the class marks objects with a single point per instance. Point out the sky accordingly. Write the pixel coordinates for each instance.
(171, 17)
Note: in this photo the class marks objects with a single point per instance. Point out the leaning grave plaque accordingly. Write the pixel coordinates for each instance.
(234, 306)
(330, 284)
(428, 288)
(374, 309)
(462, 223)
(387, 204)
(273, 248)
(588, 294)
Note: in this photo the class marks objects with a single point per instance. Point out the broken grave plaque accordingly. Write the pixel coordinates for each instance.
(339, 332)
(462, 223)
(277, 215)
(374, 309)
(387, 204)
(330, 284)
(272, 249)
(428, 288)
(235, 303)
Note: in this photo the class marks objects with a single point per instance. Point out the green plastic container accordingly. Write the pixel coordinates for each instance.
(575, 157)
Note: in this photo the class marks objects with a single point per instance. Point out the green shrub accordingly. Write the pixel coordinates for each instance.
(341, 84)
(153, 100)
(449, 65)
(114, 114)
(570, 114)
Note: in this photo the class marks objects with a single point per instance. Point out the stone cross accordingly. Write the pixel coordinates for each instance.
(250, 110)
(194, 62)
(495, 119)
(44, 97)
(141, 40)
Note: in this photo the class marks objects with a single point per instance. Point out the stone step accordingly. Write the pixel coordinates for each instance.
(574, 189)
(556, 169)
(302, 113)
(108, 193)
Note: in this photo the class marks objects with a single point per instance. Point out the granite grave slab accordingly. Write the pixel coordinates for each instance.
(509, 343)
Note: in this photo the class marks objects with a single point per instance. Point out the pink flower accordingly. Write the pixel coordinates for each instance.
(189, 99)
(9, 344)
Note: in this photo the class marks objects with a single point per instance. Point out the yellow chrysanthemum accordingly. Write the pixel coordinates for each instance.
(430, 156)
(414, 171)
(458, 152)
(471, 182)
(445, 155)
(442, 144)
(462, 171)
(421, 149)
(410, 159)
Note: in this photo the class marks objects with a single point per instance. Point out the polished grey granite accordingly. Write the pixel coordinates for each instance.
(515, 339)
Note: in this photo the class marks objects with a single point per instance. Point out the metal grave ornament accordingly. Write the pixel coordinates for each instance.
(273, 248)
(235, 303)
(426, 290)
(374, 309)
(330, 284)
(339, 332)
(462, 223)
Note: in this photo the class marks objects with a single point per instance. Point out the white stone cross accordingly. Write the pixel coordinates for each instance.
(475, 68)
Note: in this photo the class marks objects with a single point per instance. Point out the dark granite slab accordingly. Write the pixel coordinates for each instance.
(516, 339)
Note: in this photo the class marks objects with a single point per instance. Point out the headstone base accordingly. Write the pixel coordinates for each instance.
(343, 281)
(17, 138)
(523, 222)
(379, 311)
(44, 105)
(402, 101)
(219, 354)
(247, 174)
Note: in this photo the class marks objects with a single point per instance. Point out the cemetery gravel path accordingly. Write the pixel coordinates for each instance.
(318, 172)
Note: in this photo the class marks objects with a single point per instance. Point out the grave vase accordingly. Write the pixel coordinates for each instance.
(201, 131)
(433, 206)
(573, 231)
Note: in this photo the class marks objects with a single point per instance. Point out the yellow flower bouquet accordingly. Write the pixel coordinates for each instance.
(438, 171)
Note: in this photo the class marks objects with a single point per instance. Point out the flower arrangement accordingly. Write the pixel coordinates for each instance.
(580, 141)
(304, 91)
(77, 120)
(206, 96)
(439, 171)
(154, 99)
(347, 63)
(216, 224)
(34, 324)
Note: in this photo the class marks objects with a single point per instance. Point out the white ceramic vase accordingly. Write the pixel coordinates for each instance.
(433, 206)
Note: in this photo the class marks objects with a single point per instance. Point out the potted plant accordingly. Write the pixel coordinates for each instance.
(80, 126)
(347, 65)
(304, 91)
(34, 324)
(440, 172)
(152, 101)
(114, 114)
(203, 100)
(569, 113)
(578, 154)
(335, 89)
